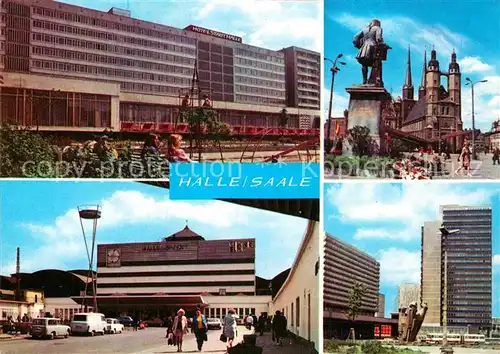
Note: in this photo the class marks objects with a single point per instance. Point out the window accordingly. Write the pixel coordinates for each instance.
(297, 310)
(291, 314)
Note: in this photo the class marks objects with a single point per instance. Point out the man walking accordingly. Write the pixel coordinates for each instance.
(279, 327)
(262, 323)
(200, 327)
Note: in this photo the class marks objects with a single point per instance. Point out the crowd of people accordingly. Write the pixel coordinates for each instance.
(178, 327)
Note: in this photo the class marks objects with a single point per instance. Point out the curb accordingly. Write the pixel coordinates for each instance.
(12, 338)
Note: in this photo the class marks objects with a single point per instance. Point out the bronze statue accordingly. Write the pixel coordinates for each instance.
(372, 51)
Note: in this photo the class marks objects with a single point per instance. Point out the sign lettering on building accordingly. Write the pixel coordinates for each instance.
(213, 33)
(160, 247)
(241, 246)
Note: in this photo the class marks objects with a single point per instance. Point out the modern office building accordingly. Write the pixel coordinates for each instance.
(302, 69)
(469, 294)
(345, 265)
(381, 306)
(469, 267)
(87, 70)
(407, 294)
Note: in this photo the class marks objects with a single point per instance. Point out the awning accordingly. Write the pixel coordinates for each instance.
(359, 319)
(143, 300)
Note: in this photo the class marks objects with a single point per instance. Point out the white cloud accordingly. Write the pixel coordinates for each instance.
(496, 260)
(383, 234)
(473, 64)
(61, 241)
(267, 23)
(376, 205)
(399, 265)
(339, 104)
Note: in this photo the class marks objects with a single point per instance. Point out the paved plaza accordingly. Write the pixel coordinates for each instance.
(436, 350)
(148, 341)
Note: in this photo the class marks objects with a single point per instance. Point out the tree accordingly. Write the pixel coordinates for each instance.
(283, 120)
(198, 119)
(24, 153)
(362, 143)
(356, 294)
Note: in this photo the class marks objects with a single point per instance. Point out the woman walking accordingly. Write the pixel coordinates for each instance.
(465, 158)
(229, 327)
(200, 327)
(180, 327)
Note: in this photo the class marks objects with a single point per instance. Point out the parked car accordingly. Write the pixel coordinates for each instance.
(88, 323)
(113, 326)
(127, 321)
(49, 328)
(155, 322)
(214, 323)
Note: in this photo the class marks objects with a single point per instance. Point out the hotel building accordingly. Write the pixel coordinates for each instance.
(179, 271)
(88, 70)
(469, 267)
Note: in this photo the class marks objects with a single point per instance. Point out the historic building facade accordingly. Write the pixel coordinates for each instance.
(437, 111)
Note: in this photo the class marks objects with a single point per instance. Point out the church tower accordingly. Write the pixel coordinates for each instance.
(433, 81)
(408, 86)
(454, 85)
(421, 89)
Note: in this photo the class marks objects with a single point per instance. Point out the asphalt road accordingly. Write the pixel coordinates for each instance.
(150, 340)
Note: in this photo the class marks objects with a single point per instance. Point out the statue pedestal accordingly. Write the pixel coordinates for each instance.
(365, 109)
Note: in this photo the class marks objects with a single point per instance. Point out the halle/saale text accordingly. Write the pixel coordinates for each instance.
(246, 182)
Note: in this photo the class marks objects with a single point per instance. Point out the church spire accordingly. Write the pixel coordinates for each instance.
(408, 82)
(423, 82)
(408, 86)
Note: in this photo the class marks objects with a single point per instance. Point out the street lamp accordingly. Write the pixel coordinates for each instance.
(471, 83)
(334, 69)
(446, 349)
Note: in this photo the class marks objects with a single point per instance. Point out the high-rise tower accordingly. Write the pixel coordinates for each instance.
(421, 89)
(433, 81)
(408, 86)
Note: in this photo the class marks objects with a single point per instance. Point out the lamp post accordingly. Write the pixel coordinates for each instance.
(446, 349)
(471, 83)
(334, 69)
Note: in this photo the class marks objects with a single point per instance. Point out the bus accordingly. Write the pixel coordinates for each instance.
(474, 339)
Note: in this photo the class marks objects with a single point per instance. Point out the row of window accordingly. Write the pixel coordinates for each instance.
(207, 76)
(310, 78)
(259, 73)
(259, 100)
(259, 64)
(249, 53)
(112, 48)
(260, 91)
(112, 25)
(259, 82)
(218, 312)
(103, 71)
(79, 31)
(105, 59)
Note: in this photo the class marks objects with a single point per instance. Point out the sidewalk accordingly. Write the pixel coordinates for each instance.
(8, 337)
(290, 346)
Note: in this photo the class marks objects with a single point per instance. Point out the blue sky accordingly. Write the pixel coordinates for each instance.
(41, 218)
(384, 220)
(444, 24)
(268, 23)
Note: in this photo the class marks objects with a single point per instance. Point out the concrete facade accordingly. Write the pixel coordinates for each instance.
(298, 298)
(430, 277)
(407, 294)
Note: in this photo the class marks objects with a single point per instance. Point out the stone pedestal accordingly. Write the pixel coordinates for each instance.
(365, 109)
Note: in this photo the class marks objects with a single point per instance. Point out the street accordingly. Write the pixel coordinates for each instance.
(456, 350)
(480, 169)
(150, 340)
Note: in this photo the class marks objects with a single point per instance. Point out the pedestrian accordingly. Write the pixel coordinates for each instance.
(262, 323)
(229, 327)
(199, 327)
(180, 328)
(496, 156)
(174, 152)
(465, 158)
(136, 324)
(279, 327)
(249, 322)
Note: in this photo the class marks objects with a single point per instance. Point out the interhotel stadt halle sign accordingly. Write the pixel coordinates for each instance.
(213, 33)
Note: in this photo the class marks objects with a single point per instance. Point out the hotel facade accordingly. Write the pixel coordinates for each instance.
(87, 70)
(183, 270)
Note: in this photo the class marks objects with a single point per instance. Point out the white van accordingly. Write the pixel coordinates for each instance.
(88, 323)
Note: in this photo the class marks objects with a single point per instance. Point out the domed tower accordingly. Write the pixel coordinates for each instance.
(433, 81)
